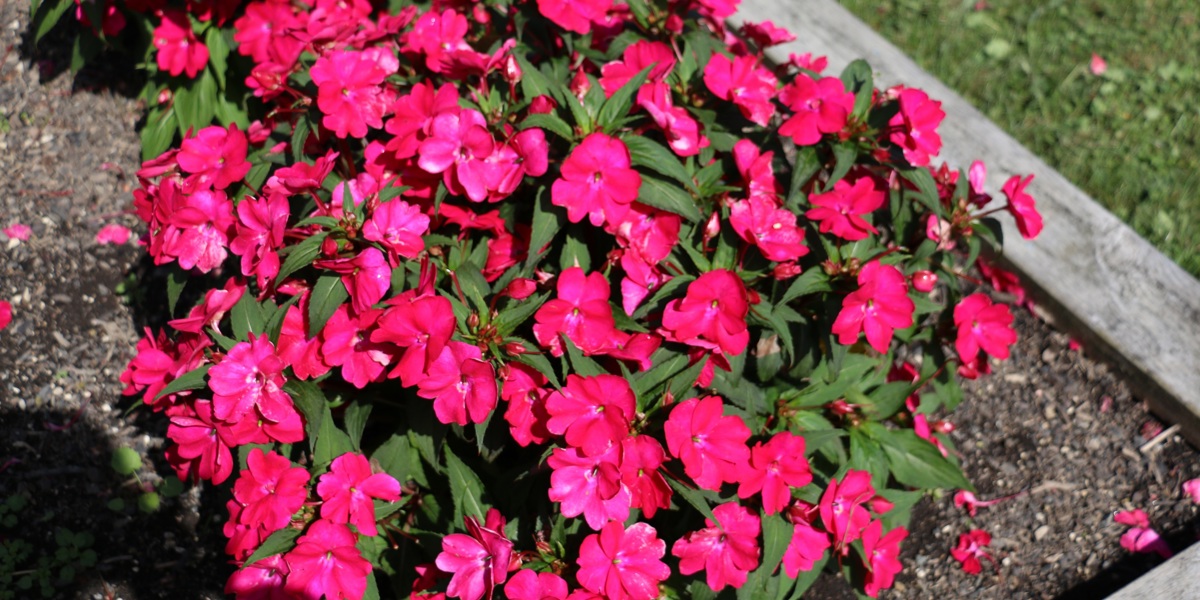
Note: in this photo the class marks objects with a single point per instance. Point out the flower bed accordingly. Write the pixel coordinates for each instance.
(765, 393)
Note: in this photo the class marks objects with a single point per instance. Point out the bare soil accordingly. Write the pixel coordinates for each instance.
(1051, 423)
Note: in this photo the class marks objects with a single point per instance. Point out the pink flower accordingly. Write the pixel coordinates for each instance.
(914, 128)
(6, 315)
(761, 222)
(350, 91)
(420, 324)
(982, 326)
(250, 377)
(399, 227)
(326, 562)
(842, 509)
(819, 107)
(1097, 65)
(879, 306)
(766, 34)
(638, 56)
(199, 449)
(883, 557)
(438, 35)
(414, 114)
(623, 563)
(758, 175)
(679, 128)
(1022, 206)
(526, 414)
(1141, 537)
(807, 546)
(199, 231)
(215, 156)
(458, 146)
(367, 276)
(478, 559)
(714, 311)
(581, 312)
(743, 82)
(179, 50)
(841, 210)
(345, 342)
(726, 550)
(461, 385)
(971, 548)
(528, 584)
(575, 15)
(589, 486)
(648, 489)
(271, 490)
(593, 412)
(776, 468)
(348, 489)
(1191, 487)
(711, 446)
(597, 181)
(17, 231)
(263, 580)
(113, 234)
(260, 227)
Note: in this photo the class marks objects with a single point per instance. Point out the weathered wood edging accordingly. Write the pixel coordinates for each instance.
(1091, 272)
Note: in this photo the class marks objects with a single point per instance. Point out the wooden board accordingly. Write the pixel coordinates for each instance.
(1099, 280)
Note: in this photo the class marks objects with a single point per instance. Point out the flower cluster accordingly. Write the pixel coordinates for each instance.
(532, 297)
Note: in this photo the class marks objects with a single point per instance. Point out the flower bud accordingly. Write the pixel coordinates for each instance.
(512, 70)
(880, 505)
(515, 348)
(786, 270)
(473, 320)
(164, 97)
(480, 14)
(713, 228)
(580, 84)
(942, 426)
(924, 281)
(674, 24)
(521, 288)
(329, 247)
(542, 105)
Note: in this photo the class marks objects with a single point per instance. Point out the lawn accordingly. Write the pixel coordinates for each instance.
(1130, 136)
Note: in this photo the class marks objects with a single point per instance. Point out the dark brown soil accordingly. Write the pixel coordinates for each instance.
(1051, 421)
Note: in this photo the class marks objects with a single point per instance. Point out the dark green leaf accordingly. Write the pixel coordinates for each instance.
(192, 380)
(885, 400)
(125, 461)
(512, 317)
(927, 192)
(844, 157)
(807, 165)
(158, 133)
(547, 221)
(356, 422)
(279, 542)
(809, 282)
(194, 103)
(575, 252)
(301, 255)
(309, 398)
(806, 579)
(177, 279)
(86, 47)
(328, 294)
(666, 365)
(916, 462)
(654, 156)
(331, 441)
(218, 53)
(398, 458)
(777, 534)
(538, 361)
(861, 82)
(549, 122)
(246, 317)
(669, 197)
(299, 135)
(47, 16)
(693, 497)
(580, 364)
(465, 488)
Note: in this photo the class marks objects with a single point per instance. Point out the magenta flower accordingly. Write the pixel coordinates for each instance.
(399, 227)
(766, 34)
(711, 446)
(457, 147)
(1141, 537)
(199, 231)
(346, 342)
(526, 413)
(575, 15)
(594, 412)
(758, 175)
(914, 128)
(350, 93)
(596, 181)
(589, 485)
(971, 548)
(879, 306)
(1191, 487)
(367, 276)
(983, 326)
(714, 311)
(179, 50)
(648, 489)
(581, 312)
(215, 156)
(1022, 206)
(528, 584)
(271, 490)
(263, 580)
(420, 324)
(623, 563)
(819, 107)
(461, 385)
(807, 547)
(326, 562)
(209, 313)
(199, 449)
(6, 318)
(438, 35)
(250, 377)
(17, 231)
(726, 550)
(638, 56)
(260, 227)
(841, 210)
(883, 557)
(348, 489)
(761, 222)
(113, 234)
(776, 468)
(414, 114)
(679, 128)
(743, 82)
(842, 509)
(479, 559)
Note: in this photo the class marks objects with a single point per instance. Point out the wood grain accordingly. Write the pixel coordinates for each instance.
(1098, 279)
(1174, 579)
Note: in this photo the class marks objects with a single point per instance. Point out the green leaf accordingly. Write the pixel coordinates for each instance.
(47, 16)
(218, 53)
(777, 534)
(693, 497)
(331, 442)
(474, 285)
(845, 156)
(807, 578)
(195, 104)
(858, 79)
(669, 197)
(177, 278)
(399, 459)
(465, 488)
(279, 542)
(575, 252)
(538, 361)
(916, 462)
(85, 48)
(549, 122)
(158, 133)
(533, 82)
(512, 317)
(192, 380)
(885, 400)
(356, 422)
(809, 282)
(927, 193)
(652, 155)
(547, 221)
(328, 294)
(666, 365)
(807, 165)
(247, 317)
(301, 255)
(125, 461)
(299, 135)
(309, 398)
(580, 364)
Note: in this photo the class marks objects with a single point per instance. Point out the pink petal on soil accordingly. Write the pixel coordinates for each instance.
(1192, 488)
(19, 231)
(1097, 65)
(113, 234)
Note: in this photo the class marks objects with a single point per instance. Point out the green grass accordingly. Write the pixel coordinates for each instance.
(1130, 138)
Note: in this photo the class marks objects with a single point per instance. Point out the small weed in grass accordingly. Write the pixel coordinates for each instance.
(1129, 137)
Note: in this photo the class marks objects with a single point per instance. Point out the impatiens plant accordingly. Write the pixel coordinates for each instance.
(549, 299)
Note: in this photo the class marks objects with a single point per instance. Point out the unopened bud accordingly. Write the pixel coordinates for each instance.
(480, 13)
(924, 281)
(164, 97)
(515, 348)
(329, 247)
(473, 320)
(542, 105)
(521, 288)
(713, 227)
(512, 69)
(880, 505)
(786, 270)
(580, 84)
(942, 426)
(674, 24)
